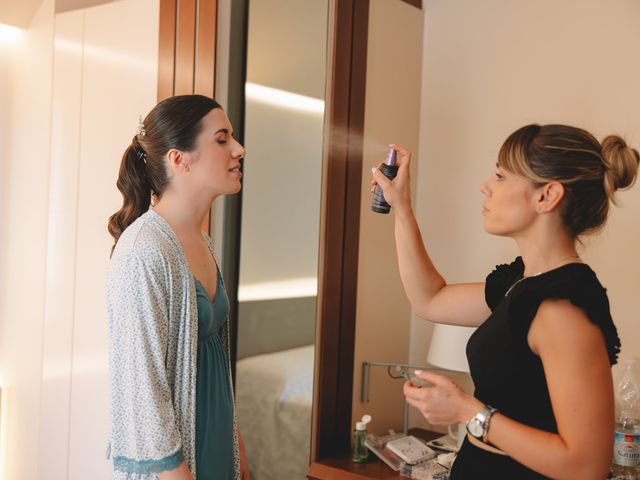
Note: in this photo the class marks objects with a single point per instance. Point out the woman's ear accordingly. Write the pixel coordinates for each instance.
(548, 196)
(178, 160)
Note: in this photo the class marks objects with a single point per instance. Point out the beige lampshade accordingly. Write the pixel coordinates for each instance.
(448, 347)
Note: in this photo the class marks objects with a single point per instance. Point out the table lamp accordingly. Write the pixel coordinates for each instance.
(447, 348)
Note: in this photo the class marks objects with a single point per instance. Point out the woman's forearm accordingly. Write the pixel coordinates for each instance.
(546, 452)
(419, 276)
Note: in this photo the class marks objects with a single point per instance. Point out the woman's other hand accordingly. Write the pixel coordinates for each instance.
(397, 192)
(442, 403)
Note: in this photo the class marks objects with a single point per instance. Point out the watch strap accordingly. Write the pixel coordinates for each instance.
(481, 420)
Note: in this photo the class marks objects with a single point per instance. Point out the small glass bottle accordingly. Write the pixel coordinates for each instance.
(359, 452)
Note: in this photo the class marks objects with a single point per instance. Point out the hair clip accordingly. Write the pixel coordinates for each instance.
(141, 131)
(141, 155)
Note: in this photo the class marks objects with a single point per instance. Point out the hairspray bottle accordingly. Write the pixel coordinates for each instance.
(390, 170)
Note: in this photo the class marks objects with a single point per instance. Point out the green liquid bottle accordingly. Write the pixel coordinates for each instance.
(359, 451)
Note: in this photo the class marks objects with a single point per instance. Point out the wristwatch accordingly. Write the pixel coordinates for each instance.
(478, 426)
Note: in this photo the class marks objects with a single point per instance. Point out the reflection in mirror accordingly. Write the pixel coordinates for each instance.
(286, 56)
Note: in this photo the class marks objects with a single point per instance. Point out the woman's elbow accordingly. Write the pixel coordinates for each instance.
(592, 474)
(592, 468)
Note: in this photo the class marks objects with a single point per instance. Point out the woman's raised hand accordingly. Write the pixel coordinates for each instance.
(397, 192)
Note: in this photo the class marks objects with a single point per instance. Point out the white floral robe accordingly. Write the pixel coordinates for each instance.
(153, 335)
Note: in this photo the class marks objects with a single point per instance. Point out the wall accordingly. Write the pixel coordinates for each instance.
(24, 242)
(19, 14)
(493, 66)
(392, 115)
(77, 102)
(6, 56)
(9, 48)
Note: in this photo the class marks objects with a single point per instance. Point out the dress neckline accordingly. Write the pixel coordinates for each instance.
(206, 294)
(521, 278)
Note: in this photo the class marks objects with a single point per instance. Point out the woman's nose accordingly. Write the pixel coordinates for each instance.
(239, 151)
(484, 188)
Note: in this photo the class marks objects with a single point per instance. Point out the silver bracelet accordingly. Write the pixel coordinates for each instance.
(487, 423)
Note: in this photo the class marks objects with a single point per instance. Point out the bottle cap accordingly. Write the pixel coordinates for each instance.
(362, 424)
(391, 157)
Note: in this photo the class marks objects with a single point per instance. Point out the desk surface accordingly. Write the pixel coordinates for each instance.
(339, 468)
(342, 468)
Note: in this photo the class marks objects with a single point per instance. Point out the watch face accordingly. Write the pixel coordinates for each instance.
(475, 428)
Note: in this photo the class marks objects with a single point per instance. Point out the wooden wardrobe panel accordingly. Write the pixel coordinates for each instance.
(166, 48)
(185, 47)
(205, 66)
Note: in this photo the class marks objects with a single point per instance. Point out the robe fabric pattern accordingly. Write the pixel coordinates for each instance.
(153, 340)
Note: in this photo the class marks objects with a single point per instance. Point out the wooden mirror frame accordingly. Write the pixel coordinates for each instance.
(339, 229)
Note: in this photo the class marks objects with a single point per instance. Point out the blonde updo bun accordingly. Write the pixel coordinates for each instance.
(621, 165)
(589, 171)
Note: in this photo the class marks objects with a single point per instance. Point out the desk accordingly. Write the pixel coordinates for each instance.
(342, 468)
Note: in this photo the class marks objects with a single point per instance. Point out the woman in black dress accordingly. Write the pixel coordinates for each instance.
(542, 354)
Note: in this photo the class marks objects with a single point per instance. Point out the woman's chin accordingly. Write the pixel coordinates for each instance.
(234, 190)
(492, 230)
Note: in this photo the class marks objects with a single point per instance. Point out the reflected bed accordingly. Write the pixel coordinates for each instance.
(273, 399)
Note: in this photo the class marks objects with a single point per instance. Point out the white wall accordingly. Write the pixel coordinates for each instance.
(77, 102)
(6, 54)
(493, 66)
(24, 245)
(8, 50)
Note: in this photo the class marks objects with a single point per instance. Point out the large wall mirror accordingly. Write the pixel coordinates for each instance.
(290, 239)
(279, 235)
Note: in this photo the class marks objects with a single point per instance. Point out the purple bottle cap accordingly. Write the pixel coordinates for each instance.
(391, 157)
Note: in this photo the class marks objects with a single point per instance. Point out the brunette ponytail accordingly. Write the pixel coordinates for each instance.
(135, 187)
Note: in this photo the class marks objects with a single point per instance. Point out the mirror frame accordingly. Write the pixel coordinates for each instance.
(340, 227)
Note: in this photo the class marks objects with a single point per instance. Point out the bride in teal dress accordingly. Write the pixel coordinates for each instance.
(172, 406)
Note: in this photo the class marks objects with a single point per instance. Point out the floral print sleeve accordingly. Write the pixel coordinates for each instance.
(145, 436)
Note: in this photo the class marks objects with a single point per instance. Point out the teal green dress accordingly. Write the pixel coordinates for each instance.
(214, 400)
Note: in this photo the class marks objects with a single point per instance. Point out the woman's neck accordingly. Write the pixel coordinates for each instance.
(184, 214)
(543, 254)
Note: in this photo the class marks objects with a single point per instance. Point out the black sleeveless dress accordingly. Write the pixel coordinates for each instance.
(506, 373)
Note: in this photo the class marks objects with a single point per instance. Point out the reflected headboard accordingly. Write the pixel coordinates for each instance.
(272, 325)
